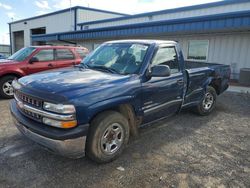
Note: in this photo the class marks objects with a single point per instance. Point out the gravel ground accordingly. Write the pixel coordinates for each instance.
(183, 151)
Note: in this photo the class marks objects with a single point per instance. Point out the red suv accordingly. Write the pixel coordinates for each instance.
(34, 59)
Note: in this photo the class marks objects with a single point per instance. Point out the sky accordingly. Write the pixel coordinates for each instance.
(12, 10)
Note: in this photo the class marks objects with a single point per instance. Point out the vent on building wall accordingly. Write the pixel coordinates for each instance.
(86, 27)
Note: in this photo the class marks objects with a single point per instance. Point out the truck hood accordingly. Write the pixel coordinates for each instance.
(67, 80)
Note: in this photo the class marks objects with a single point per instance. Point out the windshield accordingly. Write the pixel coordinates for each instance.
(121, 58)
(22, 54)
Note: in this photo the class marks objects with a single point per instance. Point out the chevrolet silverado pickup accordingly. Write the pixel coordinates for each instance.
(34, 59)
(93, 108)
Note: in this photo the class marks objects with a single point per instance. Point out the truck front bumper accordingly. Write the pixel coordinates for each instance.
(65, 146)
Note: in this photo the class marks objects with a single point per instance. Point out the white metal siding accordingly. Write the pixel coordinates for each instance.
(5, 50)
(61, 22)
(55, 23)
(228, 48)
(90, 15)
(176, 15)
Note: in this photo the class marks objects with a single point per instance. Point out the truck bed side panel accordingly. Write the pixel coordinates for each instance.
(200, 75)
(197, 81)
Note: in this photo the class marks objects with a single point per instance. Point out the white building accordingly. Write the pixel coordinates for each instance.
(60, 21)
(214, 32)
(4, 50)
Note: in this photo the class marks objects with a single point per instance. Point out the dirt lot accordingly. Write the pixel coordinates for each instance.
(184, 151)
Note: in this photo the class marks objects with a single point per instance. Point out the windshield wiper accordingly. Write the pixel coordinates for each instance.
(109, 69)
(82, 66)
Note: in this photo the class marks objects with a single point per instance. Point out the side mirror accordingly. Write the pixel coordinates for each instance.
(33, 60)
(160, 71)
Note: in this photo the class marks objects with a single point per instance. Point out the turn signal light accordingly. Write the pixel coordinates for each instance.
(60, 124)
(68, 124)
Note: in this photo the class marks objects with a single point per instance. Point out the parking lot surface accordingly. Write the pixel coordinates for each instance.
(183, 151)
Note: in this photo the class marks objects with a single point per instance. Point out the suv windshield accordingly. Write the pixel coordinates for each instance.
(121, 58)
(22, 54)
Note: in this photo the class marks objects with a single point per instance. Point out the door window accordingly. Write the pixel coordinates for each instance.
(64, 54)
(167, 56)
(45, 55)
(82, 53)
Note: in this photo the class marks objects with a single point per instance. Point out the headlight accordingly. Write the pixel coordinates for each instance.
(59, 108)
(60, 124)
(16, 85)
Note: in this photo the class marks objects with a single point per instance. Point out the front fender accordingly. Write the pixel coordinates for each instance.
(110, 103)
(19, 73)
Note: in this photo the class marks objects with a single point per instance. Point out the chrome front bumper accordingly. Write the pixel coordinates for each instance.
(72, 148)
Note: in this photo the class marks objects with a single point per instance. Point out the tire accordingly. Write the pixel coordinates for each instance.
(6, 90)
(206, 106)
(103, 130)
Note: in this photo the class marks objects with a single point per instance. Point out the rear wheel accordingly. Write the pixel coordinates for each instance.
(6, 90)
(207, 105)
(108, 136)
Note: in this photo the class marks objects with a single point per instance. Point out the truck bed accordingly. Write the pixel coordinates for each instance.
(199, 64)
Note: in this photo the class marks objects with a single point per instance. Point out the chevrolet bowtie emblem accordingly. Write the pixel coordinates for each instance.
(20, 104)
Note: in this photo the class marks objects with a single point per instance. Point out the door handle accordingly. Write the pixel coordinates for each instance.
(180, 82)
(50, 65)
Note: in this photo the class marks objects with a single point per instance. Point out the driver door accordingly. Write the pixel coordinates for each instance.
(45, 61)
(162, 96)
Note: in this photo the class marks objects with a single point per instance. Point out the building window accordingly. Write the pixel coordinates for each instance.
(198, 50)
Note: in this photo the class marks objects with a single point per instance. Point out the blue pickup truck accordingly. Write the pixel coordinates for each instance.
(96, 106)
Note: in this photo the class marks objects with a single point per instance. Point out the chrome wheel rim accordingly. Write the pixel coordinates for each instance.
(7, 88)
(112, 139)
(208, 101)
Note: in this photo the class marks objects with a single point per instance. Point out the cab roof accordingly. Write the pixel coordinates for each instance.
(58, 47)
(144, 41)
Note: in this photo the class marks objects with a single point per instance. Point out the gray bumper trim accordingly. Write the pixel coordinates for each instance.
(72, 148)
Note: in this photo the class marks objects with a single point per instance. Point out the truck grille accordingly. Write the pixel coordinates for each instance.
(31, 115)
(26, 99)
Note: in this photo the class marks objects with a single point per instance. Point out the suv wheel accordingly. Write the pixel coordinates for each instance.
(108, 136)
(6, 90)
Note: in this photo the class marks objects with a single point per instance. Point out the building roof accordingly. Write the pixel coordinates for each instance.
(166, 11)
(218, 22)
(68, 9)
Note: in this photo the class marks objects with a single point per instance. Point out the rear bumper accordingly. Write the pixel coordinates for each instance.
(70, 146)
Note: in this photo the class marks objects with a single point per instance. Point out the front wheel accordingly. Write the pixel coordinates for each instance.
(108, 136)
(6, 90)
(207, 105)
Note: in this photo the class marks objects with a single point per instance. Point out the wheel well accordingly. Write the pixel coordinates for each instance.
(216, 85)
(11, 74)
(128, 112)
